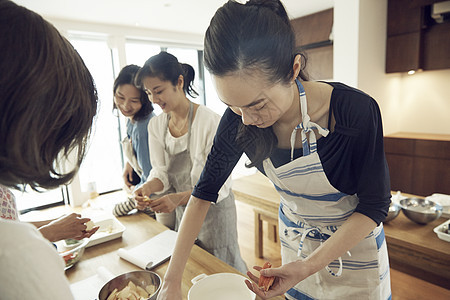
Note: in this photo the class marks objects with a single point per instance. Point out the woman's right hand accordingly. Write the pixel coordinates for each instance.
(128, 175)
(141, 196)
(286, 277)
(169, 292)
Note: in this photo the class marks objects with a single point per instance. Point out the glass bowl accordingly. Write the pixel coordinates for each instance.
(72, 256)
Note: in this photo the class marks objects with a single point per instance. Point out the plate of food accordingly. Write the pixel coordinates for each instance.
(109, 229)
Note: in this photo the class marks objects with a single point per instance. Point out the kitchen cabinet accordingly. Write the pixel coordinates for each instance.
(414, 40)
(418, 163)
(312, 34)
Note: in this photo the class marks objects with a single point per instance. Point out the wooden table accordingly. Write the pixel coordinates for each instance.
(139, 228)
(413, 249)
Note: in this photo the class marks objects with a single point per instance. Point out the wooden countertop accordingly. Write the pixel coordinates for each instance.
(420, 136)
(139, 228)
(414, 249)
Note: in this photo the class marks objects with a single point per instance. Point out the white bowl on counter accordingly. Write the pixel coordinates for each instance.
(220, 286)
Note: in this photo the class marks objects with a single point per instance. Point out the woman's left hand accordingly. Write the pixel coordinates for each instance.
(286, 277)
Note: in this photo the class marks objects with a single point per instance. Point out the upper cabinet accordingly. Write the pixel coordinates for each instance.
(313, 38)
(415, 40)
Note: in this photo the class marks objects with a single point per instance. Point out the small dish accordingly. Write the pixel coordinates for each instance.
(443, 231)
(72, 256)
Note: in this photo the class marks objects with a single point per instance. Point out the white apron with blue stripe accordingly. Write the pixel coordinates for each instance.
(311, 209)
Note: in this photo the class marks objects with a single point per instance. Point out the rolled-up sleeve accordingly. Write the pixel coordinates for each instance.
(372, 173)
(158, 158)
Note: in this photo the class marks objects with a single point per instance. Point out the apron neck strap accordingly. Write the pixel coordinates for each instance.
(306, 126)
(191, 114)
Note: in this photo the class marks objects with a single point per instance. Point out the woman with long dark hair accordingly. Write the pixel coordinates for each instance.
(180, 140)
(133, 103)
(321, 145)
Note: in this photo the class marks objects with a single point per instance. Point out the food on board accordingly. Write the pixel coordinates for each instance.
(132, 292)
(89, 225)
(265, 282)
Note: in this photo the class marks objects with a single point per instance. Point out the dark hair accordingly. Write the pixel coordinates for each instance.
(48, 101)
(252, 37)
(127, 76)
(166, 67)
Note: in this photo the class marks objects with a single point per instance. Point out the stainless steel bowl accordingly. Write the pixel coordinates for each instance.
(421, 211)
(394, 210)
(139, 278)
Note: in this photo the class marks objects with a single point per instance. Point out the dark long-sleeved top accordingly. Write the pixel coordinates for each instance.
(352, 154)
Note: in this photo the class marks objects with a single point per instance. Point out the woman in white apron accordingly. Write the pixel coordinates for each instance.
(135, 106)
(179, 147)
(321, 144)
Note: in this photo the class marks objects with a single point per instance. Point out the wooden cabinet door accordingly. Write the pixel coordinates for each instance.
(430, 175)
(436, 54)
(403, 52)
(401, 172)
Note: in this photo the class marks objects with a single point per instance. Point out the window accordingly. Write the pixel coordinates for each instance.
(103, 163)
(29, 199)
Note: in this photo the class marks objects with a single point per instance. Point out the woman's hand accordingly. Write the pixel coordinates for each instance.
(71, 226)
(141, 196)
(128, 175)
(286, 277)
(165, 204)
(170, 291)
(168, 203)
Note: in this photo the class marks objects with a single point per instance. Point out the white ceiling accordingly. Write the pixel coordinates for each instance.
(191, 16)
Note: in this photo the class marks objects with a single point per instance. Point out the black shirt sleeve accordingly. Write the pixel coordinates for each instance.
(353, 154)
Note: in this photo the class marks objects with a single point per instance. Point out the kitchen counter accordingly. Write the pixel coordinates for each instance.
(139, 228)
(413, 249)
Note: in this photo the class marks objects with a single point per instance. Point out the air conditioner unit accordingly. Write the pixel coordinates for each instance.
(441, 11)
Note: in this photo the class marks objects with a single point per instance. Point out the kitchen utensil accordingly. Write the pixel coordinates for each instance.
(72, 256)
(139, 278)
(220, 286)
(394, 210)
(421, 211)
(443, 231)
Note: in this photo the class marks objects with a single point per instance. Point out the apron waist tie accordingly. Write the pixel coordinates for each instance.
(303, 236)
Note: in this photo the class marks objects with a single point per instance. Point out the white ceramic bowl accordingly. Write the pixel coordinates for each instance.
(220, 286)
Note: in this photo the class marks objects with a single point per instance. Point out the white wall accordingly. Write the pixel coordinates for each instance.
(409, 103)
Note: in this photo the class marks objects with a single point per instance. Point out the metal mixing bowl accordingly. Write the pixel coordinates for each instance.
(394, 210)
(139, 278)
(421, 211)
